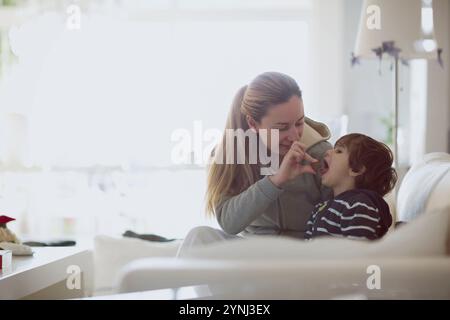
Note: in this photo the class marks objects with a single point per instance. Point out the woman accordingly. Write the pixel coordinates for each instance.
(247, 203)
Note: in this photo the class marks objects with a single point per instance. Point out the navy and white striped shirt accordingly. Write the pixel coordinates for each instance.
(354, 214)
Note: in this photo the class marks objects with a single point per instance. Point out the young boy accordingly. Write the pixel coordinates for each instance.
(359, 171)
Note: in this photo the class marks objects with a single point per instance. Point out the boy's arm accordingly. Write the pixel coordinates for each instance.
(310, 222)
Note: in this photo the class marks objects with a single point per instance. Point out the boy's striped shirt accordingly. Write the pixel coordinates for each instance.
(355, 214)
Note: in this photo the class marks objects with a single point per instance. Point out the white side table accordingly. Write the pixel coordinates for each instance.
(51, 273)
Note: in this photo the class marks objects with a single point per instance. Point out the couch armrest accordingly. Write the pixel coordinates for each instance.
(406, 278)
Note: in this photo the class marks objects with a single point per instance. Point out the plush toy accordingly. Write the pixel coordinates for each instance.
(9, 241)
(7, 235)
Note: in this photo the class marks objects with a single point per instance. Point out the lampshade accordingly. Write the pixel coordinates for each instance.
(397, 21)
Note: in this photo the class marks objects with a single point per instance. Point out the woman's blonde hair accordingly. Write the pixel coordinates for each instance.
(265, 91)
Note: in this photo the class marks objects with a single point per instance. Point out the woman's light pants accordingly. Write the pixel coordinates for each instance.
(201, 236)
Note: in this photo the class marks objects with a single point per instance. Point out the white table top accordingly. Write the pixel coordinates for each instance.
(47, 266)
(41, 257)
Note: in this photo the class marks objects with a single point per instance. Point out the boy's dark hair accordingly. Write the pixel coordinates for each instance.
(375, 157)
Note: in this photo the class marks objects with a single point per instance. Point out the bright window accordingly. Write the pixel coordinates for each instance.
(92, 110)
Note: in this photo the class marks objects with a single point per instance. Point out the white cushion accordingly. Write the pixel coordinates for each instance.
(425, 187)
(111, 254)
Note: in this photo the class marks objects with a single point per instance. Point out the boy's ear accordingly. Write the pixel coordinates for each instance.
(358, 172)
(251, 122)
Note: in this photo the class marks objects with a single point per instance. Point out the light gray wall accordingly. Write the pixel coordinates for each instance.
(438, 102)
(325, 97)
(367, 93)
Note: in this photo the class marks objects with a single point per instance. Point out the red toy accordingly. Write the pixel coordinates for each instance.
(4, 220)
(7, 235)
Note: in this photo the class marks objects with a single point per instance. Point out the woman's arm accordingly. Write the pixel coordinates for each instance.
(234, 214)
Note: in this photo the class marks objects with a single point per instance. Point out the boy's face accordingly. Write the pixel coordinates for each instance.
(336, 169)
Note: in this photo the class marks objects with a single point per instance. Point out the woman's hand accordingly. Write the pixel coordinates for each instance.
(291, 166)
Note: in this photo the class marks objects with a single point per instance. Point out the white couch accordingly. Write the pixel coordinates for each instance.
(112, 254)
(411, 262)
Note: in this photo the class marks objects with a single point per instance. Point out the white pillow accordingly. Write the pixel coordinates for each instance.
(425, 187)
(111, 254)
(428, 235)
